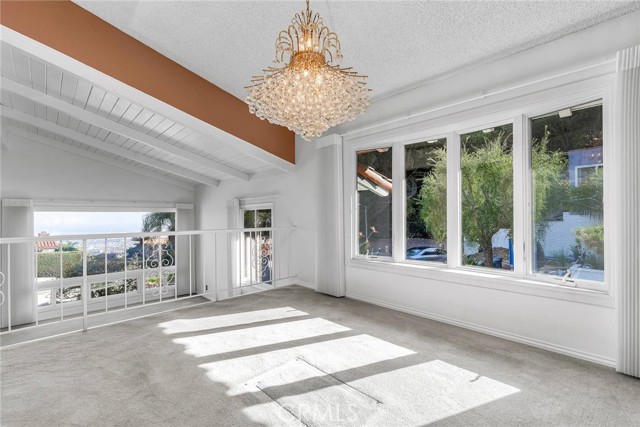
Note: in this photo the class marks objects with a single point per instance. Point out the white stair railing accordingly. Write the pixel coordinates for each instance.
(99, 273)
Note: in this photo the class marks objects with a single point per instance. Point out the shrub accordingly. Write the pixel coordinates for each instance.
(49, 264)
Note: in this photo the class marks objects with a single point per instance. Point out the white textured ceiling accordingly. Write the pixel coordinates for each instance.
(397, 43)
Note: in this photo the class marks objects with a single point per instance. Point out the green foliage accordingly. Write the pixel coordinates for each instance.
(49, 264)
(69, 247)
(113, 288)
(592, 238)
(487, 191)
(594, 261)
(364, 243)
(550, 182)
(561, 258)
(487, 188)
(587, 198)
(433, 196)
(159, 221)
(571, 133)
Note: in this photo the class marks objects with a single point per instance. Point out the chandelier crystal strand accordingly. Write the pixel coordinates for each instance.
(311, 93)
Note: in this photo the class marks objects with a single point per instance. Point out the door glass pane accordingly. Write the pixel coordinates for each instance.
(567, 165)
(426, 206)
(249, 219)
(486, 163)
(263, 218)
(257, 247)
(374, 187)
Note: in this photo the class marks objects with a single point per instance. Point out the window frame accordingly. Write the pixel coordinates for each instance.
(595, 166)
(243, 206)
(607, 149)
(459, 232)
(549, 95)
(354, 250)
(403, 244)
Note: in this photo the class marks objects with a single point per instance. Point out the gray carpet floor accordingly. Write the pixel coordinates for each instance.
(291, 357)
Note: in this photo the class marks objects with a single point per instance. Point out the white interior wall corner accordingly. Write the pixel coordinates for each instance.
(330, 236)
(296, 204)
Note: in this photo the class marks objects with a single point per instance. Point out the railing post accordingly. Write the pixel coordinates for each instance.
(144, 263)
(35, 280)
(125, 273)
(190, 265)
(272, 250)
(85, 288)
(9, 286)
(61, 284)
(204, 263)
(215, 266)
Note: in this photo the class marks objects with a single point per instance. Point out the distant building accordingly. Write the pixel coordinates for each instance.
(583, 163)
(46, 245)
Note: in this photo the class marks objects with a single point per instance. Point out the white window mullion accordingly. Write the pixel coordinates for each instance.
(398, 202)
(350, 203)
(522, 206)
(454, 213)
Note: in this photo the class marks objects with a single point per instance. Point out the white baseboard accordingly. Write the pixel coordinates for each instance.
(304, 284)
(494, 332)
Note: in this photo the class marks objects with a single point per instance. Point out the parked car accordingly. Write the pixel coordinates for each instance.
(427, 253)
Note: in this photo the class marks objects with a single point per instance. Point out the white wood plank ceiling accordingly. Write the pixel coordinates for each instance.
(55, 107)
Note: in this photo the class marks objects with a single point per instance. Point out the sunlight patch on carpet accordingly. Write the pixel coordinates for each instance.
(243, 339)
(224, 321)
(331, 401)
(409, 396)
(338, 355)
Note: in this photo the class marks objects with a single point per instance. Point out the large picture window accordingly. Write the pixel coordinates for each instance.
(567, 176)
(509, 198)
(374, 189)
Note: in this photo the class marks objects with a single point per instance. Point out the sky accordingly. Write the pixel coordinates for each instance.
(60, 223)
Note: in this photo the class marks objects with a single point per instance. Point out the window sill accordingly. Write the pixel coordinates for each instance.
(498, 281)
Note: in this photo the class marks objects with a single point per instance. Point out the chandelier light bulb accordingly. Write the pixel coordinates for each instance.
(311, 93)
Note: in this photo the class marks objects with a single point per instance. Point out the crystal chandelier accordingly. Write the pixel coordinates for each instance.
(310, 93)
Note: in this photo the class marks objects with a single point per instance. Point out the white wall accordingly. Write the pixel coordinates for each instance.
(295, 204)
(579, 329)
(31, 170)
